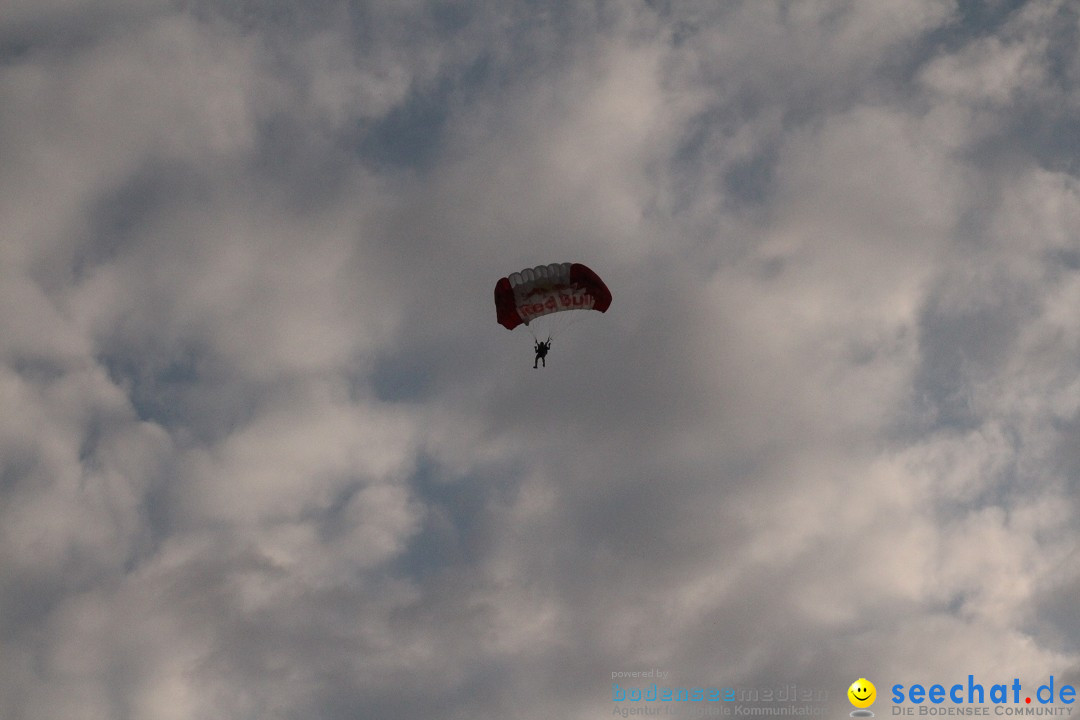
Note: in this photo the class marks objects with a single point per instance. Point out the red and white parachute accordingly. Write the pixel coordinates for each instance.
(524, 296)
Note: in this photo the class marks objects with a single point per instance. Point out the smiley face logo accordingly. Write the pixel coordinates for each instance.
(862, 693)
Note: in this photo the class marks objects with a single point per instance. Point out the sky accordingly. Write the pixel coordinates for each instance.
(266, 454)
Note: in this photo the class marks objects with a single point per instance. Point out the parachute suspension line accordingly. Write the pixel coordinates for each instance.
(557, 323)
(536, 336)
(553, 325)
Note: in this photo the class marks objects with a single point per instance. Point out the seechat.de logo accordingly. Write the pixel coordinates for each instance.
(862, 694)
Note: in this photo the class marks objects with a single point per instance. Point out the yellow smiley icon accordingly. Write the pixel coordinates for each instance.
(862, 693)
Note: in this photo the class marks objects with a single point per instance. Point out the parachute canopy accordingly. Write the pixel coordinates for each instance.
(546, 289)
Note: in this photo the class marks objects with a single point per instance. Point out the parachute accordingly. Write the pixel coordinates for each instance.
(522, 297)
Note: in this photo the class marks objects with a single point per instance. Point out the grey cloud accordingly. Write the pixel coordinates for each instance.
(265, 452)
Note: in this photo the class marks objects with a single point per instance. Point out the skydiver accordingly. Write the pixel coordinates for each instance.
(541, 352)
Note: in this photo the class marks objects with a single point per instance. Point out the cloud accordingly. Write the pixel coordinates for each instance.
(264, 451)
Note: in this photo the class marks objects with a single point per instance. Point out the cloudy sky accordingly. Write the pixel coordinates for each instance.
(266, 454)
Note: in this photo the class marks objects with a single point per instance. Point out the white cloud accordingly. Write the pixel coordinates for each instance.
(265, 452)
(989, 71)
